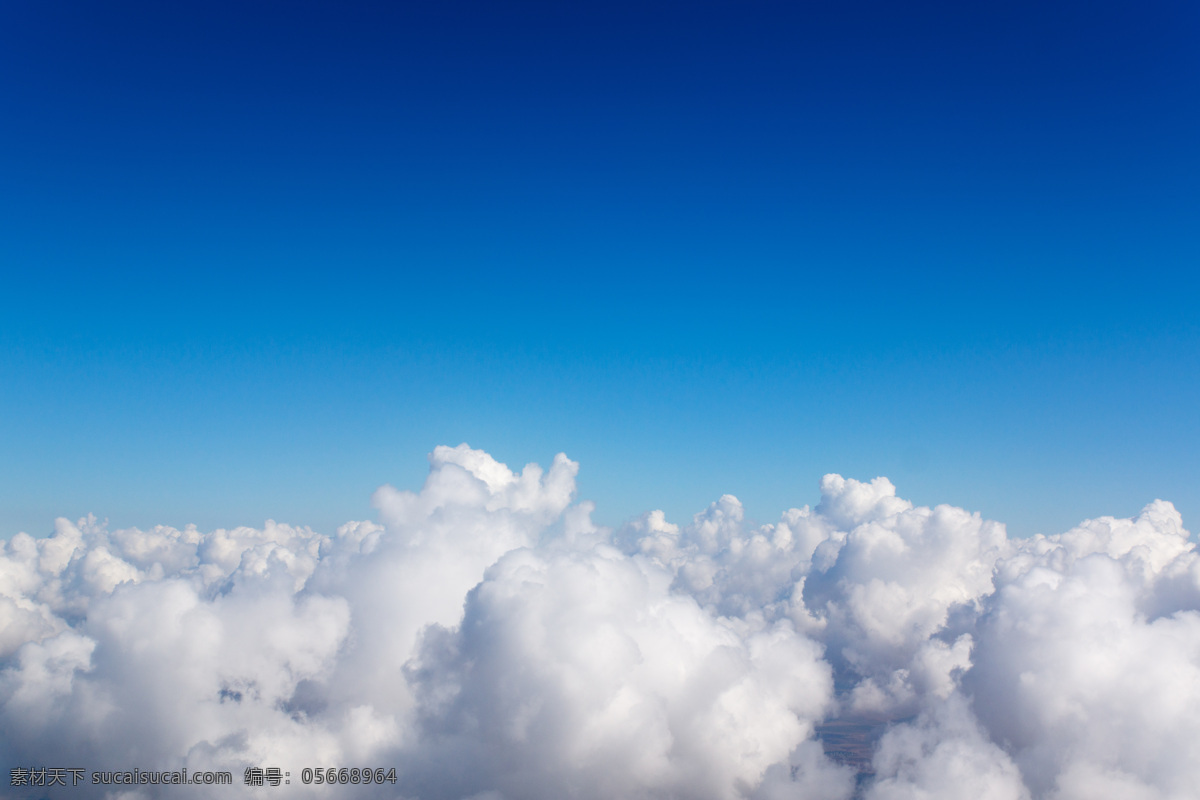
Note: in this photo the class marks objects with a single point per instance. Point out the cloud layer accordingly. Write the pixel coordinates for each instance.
(487, 640)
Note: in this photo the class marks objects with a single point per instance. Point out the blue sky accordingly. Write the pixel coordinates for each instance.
(259, 258)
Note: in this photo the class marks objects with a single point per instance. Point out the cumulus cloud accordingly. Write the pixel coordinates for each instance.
(484, 638)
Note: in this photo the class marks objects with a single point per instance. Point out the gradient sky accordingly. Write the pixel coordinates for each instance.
(258, 258)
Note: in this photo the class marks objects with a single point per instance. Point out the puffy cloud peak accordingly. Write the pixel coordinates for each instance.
(489, 640)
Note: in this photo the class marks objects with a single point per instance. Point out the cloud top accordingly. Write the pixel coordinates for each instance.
(487, 640)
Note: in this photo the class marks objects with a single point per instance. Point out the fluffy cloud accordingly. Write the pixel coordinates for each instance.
(1091, 682)
(487, 640)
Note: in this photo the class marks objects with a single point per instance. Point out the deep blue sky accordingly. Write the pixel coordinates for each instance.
(260, 257)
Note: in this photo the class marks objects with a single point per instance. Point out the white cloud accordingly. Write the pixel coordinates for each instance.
(1074, 675)
(944, 755)
(488, 640)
